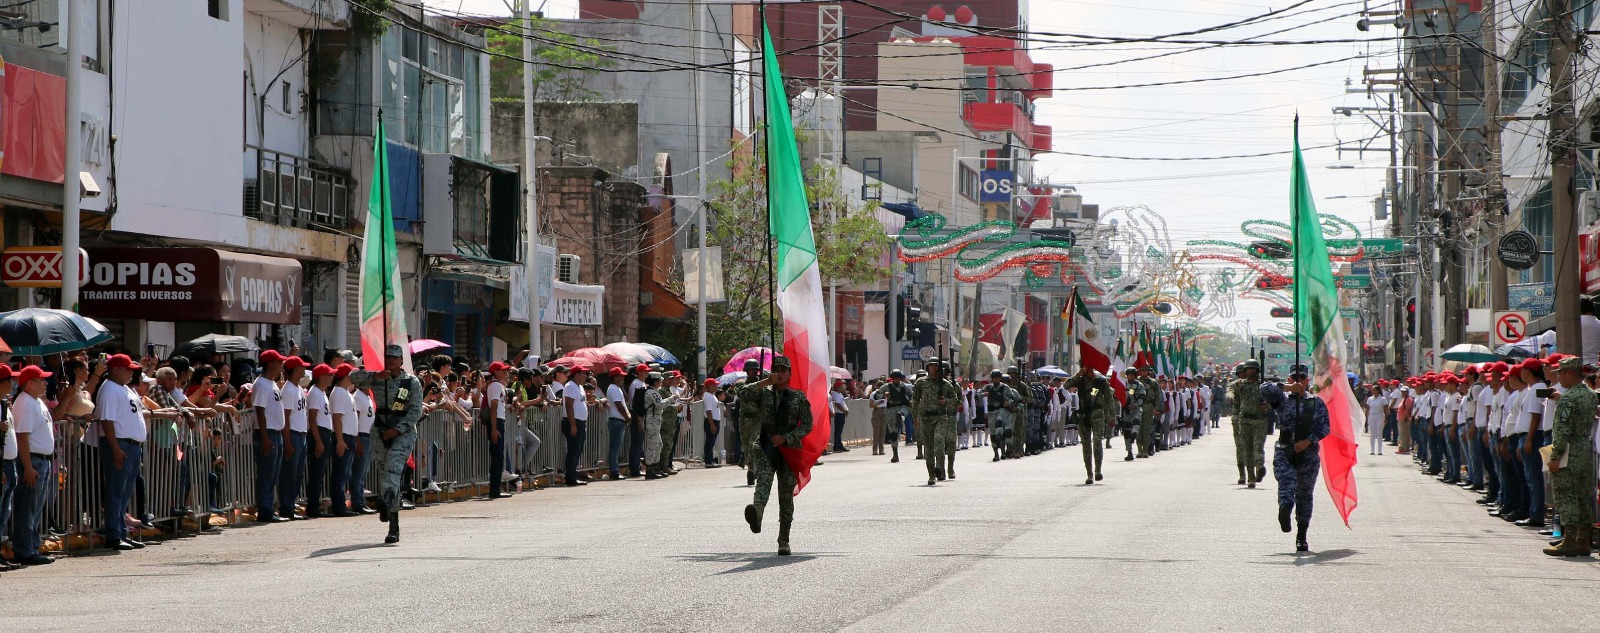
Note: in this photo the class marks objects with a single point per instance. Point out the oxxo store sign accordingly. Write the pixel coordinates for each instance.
(191, 284)
(37, 267)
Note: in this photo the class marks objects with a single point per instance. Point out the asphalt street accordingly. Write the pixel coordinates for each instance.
(1163, 544)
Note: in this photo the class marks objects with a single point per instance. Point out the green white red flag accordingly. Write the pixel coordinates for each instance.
(799, 281)
(1316, 312)
(383, 317)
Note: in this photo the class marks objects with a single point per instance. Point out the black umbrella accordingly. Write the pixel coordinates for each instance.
(205, 346)
(40, 331)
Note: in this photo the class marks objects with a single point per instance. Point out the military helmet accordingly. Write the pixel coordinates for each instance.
(897, 374)
(1249, 364)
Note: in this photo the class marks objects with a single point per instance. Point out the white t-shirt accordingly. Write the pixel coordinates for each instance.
(317, 400)
(497, 397)
(614, 407)
(1589, 327)
(1549, 419)
(1515, 413)
(554, 390)
(294, 403)
(634, 387)
(11, 438)
(264, 394)
(1497, 410)
(341, 404)
(1482, 398)
(122, 406)
(366, 411)
(1375, 414)
(713, 406)
(837, 398)
(1533, 404)
(580, 407)
(29, 415)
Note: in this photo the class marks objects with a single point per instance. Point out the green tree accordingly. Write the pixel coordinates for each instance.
(562, 62)
(848, 247)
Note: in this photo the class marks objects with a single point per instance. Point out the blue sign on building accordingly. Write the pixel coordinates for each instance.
(994, 185)
(1539, 299)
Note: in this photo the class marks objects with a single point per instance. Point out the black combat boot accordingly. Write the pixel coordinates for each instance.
(752, 515)
(895, 446)
(1241, 474)
(783, 538)
(394, 529)
(1300, 539)
(938, 466)
(950, 467)
(1283, 518)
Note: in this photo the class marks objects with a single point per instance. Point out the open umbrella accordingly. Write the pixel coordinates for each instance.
(595, 358)
(424, 345)
(40, 331)
(758, 353)
(730, 378)
(634, 353)
(661, 355)
(1052, 371)
(205, 346)
(1470, 353)
(839, 373)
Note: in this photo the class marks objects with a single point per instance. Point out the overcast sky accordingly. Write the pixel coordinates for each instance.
(1199, 199)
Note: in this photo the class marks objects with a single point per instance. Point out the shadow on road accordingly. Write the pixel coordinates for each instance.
(1114, 559)
(1313, 558)
(751, 561)
(341, 550)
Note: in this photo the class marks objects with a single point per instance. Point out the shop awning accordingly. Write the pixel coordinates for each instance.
(191, 284)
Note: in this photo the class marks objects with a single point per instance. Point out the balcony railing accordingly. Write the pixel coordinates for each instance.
(291, 190)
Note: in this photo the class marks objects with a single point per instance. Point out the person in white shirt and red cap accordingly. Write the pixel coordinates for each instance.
(117, 411)
(324, 442)
(271, 436)
(34, 427)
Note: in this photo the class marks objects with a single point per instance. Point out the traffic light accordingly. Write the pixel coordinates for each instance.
(1411, 314)
(1275, 339)
(913, 324)
(1269, 250)
(1282, 313)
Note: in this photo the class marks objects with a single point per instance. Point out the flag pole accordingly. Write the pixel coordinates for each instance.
(1294, 241)
(766, 160)
(383, 347)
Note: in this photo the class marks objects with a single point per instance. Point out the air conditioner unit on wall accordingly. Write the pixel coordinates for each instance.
(567, 268)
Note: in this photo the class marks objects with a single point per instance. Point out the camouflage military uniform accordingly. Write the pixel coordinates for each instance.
(1297, 472)
(1098, 408)
(1038, 406)
(1019, 422)
(1249, 428)
(1573, 484)
(397, 402)
(938, 423)
(669, 430)
(1003, 404)
(1128, 423)
(782, 411)
(1152, 405)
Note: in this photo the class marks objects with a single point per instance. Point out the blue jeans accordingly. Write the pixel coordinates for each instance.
(1391, 428)
(8, 487)
(1489, 468)
(293, 475)
(574, 445)
(1436, 449)
(636, 447)
(119, 484)
(616, 431)
(339, 479)
(268, 468)
(710, 456)
(838, 431)
(1452, 455)
(29, 509)
(497, 456)
(1533, 476)
(358, 472)
(317, 477)
(1513, 489)
(1419, 432)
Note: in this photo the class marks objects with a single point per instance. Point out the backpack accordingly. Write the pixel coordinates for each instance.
(898, 396)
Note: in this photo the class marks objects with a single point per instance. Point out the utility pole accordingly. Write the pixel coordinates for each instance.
(71, 216)
(1494, 189)
(700, 175)
(1563, 163)
(530, 184)
(1451, 260)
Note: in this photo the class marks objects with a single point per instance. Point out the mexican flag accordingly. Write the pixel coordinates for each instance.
(1119, 364)
(799, 282)
(383, 317)
(1316, 312)
(1091, 341)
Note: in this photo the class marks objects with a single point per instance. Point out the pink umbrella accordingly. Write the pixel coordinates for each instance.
(594, 358)
(839, 373)
(422, 345)
(757, 353)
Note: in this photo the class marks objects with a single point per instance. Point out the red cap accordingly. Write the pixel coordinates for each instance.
(271, 356)
(1470, 370)
(711, 382)
(5, 372)
(343, 371)
(641, 367)
(120, 360)
(293, 362)
(321, 370)
(32, 372)
(676, 374)
(1532, 364)
(498, 366)
(582, 368)
(1554, 359)
(615, 371)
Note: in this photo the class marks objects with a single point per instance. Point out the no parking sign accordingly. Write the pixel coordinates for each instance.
(1510, 327)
